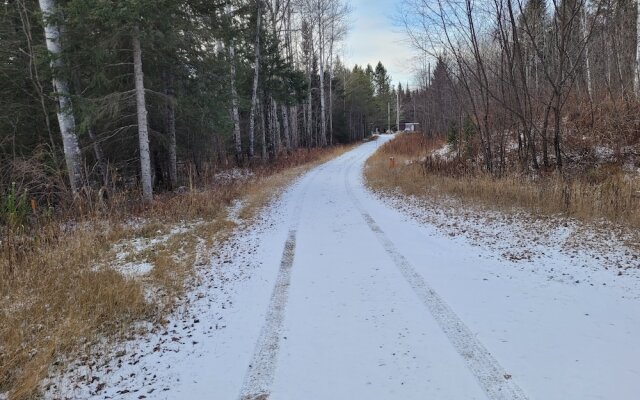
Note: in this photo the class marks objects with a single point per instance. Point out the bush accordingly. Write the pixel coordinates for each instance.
(15, 208)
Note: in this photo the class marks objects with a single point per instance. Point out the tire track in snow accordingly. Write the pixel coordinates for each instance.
(260, 375)
(493, 378)
(261, 371)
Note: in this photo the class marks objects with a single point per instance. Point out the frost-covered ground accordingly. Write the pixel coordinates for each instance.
(336, 293)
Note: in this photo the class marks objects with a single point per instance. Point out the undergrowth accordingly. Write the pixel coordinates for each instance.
(603, 192)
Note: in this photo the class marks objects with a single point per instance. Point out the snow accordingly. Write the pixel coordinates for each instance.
(443, 152)
(233, 175)
(604, 153)
(131, 248)
(133, 270)
(554, 321)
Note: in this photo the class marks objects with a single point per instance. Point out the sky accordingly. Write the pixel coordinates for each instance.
(374, 37)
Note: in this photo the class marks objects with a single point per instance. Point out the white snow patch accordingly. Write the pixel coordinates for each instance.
(232, 176)
(233, 211)
(134, 270)
(604, 153)
(443, 152)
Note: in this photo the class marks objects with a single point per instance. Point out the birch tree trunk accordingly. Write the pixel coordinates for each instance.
(587, 64)
(264, 132)
(256, 76)
(636, 77)
(237, 139)
(323, 116)
(275, 128)
(332, 40)
(143, 128)
(65, 108)
(309, 119)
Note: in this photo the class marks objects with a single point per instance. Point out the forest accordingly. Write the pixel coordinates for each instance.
(102, 97)
(160, 159)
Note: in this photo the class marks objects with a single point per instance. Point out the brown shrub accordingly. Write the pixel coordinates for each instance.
(611, 194)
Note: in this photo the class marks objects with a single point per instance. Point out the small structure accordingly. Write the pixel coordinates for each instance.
(409, 126)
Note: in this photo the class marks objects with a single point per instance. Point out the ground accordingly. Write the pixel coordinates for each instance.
(335, 292)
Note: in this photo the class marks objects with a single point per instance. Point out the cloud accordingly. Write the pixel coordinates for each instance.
(373, 37)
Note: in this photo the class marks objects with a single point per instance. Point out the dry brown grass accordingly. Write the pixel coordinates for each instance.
(59, 294)
(602, 194)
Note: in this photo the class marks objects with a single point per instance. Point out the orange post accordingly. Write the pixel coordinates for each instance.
(392, 162)
(33, 205)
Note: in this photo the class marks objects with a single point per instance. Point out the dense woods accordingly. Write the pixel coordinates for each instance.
(103, 96)
(528, 85)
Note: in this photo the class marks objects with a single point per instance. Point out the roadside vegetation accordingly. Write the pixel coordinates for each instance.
(69, 282)
(427, 166)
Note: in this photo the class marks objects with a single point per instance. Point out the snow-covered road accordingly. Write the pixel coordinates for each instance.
(336, 295)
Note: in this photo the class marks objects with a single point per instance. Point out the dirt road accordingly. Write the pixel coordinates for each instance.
(336, 295)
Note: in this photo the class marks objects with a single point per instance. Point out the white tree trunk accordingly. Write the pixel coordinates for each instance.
(636, 78)
(237, 139)
(65, 108)
(321, 44)
(143, 128)
(309, 114)
(256, 76)
(332, 39)
(587, 64)
(263, 132)
(323, 113)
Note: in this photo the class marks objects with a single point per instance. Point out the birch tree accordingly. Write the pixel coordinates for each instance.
(256, 77)
(237, 139)
(143, 128)
(636, 76)
(61, 86)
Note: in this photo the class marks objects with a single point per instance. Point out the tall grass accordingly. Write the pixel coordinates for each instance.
(607, 194)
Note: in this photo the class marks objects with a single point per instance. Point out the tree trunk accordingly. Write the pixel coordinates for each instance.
(237, 139)
(101, 160)
(275, 128)
(331, 43)
(285, 128)
(264, 132)
(294, 128)
(171, 133)
(587, 63)
(143, 129)
(323, 115)
(398, 109)
(65, 108)
(256, 76)
(636, 78)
